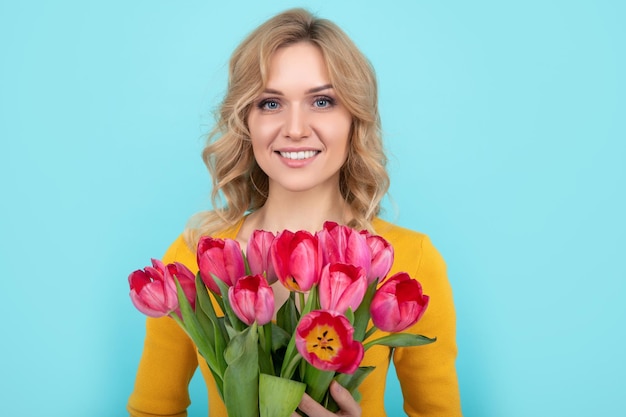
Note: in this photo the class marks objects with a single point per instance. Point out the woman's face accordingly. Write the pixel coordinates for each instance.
(298, 127)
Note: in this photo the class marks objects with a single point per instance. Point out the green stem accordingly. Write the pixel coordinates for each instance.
(370, 332)
(178, 320)
(301, 294)
(265, 343)
(291, 368)
(261, 332)
(268, 337)
(369, 344)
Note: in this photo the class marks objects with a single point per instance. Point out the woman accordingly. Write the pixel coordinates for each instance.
(298, 143)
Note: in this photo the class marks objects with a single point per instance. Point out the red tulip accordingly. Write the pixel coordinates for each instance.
(382, 256)
(221, 258)
(342, 286)
(252, 300)
(325, 340)
(258, 254)
(186, 279)
(297, 259)
(345, 245)
(398, 303)
(153, 291)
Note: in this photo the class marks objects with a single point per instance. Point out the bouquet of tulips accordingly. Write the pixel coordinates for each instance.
(321, 332)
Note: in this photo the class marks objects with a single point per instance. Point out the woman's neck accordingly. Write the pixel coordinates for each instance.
(297, 211)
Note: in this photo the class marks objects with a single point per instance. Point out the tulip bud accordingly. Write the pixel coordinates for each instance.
(398, 303)
(186, 279)
(345, 245)
(341, 287)
(252, 299)
(297, 259)
(152, 290)
(258, 255)
(221, 258)
(382, 256)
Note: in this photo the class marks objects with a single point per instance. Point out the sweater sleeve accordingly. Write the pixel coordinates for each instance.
(168, 361)
(427, 373)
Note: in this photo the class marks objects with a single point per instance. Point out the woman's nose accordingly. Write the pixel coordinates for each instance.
(296, 124)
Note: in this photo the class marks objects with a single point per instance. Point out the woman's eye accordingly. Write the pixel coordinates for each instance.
(269, 105)
(323, 102)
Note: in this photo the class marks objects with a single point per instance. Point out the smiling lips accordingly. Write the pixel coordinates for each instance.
(300, 155)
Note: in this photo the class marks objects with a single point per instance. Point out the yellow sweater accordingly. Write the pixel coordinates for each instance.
(426, 373)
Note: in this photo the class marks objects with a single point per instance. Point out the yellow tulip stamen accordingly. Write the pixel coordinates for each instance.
(324, 341)
(292, 284)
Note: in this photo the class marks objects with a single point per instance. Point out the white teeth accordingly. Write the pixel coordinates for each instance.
(298, 155)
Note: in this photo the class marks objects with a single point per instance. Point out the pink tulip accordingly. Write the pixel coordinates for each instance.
(221, 258)
(186, 279)
(258, 254)
(297, 259)
(398, 303)
(153, 291)
(325, 340)
(252, 300)
(382, 256)
(345, 245)
(342, 286)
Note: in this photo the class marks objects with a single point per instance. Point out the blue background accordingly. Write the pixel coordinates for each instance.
(504, 121)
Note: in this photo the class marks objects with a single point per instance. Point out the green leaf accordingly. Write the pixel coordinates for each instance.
(241, 379)
(351, 382)
(218, 332)
(231, 332)
(291, 358)
(287, 316)
(265, 361)
(218, 297)
(280, 338)
(370, 332)
(206, 324)
(218, 348)
(193, 327)
(266, 336)
(312, 302)
(317, 381)
(230, 314)
(350, 315)
(279, 397)
(400, 340)
(204, 299)
(362, 313)
(265, 349)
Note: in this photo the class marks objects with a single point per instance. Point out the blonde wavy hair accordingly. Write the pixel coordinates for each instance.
(239, 185)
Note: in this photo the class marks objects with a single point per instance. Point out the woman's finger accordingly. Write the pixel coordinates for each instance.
(347, 405)
(345, 401)
(313, 408)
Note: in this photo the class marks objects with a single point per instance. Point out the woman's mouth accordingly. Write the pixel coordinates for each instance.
(300, 155)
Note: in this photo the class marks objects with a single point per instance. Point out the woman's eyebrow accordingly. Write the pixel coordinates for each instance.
(320, 88)
(309, 91)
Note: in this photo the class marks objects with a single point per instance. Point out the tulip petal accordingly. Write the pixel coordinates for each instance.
(258, 254)
(252, 300)
(398, 304)
(296, 258)
(324, 339)
(221, 258)
(151, 290)
(342, 286)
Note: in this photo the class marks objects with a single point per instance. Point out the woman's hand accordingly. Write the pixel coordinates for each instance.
(348, 407)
